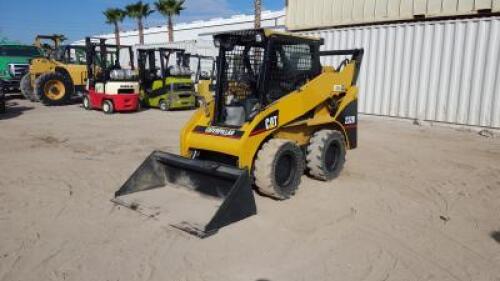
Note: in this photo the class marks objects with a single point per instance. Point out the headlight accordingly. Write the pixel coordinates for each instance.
(258, 38)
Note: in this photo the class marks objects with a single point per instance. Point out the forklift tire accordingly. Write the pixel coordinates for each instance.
(107, 107)
(278, 168)
(26, 88)
(164, 106)
(54, 88)
(86, 103)
(325, 156)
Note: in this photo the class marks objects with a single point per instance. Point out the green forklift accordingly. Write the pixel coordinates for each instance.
(166, 87)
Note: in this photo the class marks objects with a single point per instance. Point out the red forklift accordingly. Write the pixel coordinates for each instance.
(111, 87)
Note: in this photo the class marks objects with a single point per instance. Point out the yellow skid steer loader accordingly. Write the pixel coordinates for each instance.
(277, 113)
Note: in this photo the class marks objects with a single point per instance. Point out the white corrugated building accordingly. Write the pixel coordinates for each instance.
(434, 60)
(201, 30)
(195, 37)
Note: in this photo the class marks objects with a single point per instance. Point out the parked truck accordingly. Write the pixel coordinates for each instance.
(14, 64)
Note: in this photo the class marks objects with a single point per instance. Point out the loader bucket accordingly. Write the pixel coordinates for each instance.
(198, 196)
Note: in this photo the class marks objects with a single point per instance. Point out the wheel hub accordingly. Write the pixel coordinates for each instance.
(54, 89)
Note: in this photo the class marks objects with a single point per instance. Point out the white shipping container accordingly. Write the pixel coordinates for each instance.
(445, 71)
(310, 14)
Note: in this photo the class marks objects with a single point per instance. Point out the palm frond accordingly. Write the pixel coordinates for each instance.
(114, 15)
(169, 7)
(138, 10)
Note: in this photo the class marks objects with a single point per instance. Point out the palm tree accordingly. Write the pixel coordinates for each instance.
(115, 17)
(169, 9)
(139, 11)
(258, 8)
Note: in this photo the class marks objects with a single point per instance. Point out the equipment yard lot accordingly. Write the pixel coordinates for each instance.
(413, 203)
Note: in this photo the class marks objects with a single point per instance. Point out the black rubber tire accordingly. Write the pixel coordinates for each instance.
(278, 168)
(108, 107)
(46, 77)
(27, 88)
(86, 103)
(164, 105)
(2, 102)
(325, 156)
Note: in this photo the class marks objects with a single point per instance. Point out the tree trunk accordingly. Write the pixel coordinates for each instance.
(170, 29)
(141, 31)
(117, 34)
(258, 9)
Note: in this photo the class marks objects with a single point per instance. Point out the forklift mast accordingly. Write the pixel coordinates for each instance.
(148, 70)
(198, 72)
(97, 51)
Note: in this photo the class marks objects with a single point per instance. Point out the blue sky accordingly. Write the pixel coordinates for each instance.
(22, 20)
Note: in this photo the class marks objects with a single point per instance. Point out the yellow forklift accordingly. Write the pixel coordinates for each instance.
(204, 80)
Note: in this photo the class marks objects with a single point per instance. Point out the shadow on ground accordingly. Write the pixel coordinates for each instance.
(13, 109)
(496, 236)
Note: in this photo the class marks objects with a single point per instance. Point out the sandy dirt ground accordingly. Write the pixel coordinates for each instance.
(413, 203)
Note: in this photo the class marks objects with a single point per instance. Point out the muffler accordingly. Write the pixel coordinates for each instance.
(199, 196)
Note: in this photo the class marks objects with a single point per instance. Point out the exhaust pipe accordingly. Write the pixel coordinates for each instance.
(199, 196)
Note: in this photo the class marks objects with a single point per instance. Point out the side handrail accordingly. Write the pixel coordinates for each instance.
(356, 56)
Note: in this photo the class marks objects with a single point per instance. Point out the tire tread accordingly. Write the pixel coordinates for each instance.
(40, 81)
(314, 152)
(263, 168)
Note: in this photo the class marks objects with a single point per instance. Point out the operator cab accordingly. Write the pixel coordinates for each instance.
(69, 54)
(256, 68)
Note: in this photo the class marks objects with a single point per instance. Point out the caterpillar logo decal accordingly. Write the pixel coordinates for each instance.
(218, 131)
(270, 122)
